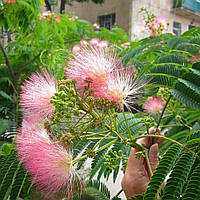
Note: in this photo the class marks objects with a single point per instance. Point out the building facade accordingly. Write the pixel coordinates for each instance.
(181, 14)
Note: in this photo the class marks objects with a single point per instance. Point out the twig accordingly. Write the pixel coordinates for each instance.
(8, 62)
(160, 118)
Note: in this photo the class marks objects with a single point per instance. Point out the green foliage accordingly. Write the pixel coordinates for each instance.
(164, 167)
(95, 190)
(192, 189)
(13, 178)
(178, 176)
(166, 61)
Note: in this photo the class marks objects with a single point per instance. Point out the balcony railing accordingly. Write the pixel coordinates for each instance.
(191, 5)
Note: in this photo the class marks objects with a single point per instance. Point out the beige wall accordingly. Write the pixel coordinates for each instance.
(89, 11)
(128, 16)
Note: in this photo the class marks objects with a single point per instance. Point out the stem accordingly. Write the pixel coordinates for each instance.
(71, 121)
(114, 132)
(169, 139)
(76, 123)
(125, 119)
(89, 134)
(148, 163)
(115, 123)
(100, 138)
(8, 62)
(118, 194)
(105, 137)
(100, 149)
(160, 118)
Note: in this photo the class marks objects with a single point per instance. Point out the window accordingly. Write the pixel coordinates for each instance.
(190, 27)
(106, 21)
(177, 28)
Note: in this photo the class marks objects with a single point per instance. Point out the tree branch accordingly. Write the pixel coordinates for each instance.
(8, 62)
(48, 5)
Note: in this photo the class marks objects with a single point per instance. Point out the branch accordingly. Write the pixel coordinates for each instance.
(48, 5)
(8, 62)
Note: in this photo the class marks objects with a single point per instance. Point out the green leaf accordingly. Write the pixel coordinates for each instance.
(192, 190)
(178, 176)
(6, 96)
(161, 172)
(93, 192)
(137, 197)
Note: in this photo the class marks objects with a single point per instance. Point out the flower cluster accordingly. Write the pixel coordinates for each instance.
(35, 96)
(41, 153)
(154, 105)
(10, 1)
(195, 58)
(95, 66)
(126, 45)
(156, 26)
(73, 18)
(50, 16)
(99, 76)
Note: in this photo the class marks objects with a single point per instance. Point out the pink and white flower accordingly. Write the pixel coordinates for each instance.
(47, 161)
(28, 135)
(93, 64)
(36, 94)
(122, 87)
(154, 105)
(50, 166)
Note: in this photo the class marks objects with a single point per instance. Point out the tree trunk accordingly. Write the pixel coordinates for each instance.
(62, 7)
(48, 5)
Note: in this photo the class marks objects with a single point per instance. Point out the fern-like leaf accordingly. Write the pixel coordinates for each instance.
(12, 177)
(161, 172)
(178, 176)
(192, 190)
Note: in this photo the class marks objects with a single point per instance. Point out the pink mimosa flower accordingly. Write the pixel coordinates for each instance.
(122, 87)
(103, 44)
(36, 94)
(50, 166)
(44, 15)
(161, 21)
(29, 134)
(48, 162)
(94, 41)
(57, 18)
(10, 1)
(96, 26)
(91, 64)
(153, 105)
(76, 48)
(84, 42)
(142, 29)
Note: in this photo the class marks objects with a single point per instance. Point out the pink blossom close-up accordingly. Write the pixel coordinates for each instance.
(161, 21)
(57, 18)
(36, 94)
(154, 105)
(93, 64)
(122, 87)
(29, 134)
(50, 166)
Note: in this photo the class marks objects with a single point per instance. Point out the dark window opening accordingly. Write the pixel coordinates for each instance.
(177, 28)
(191, 26)
(106, 21)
